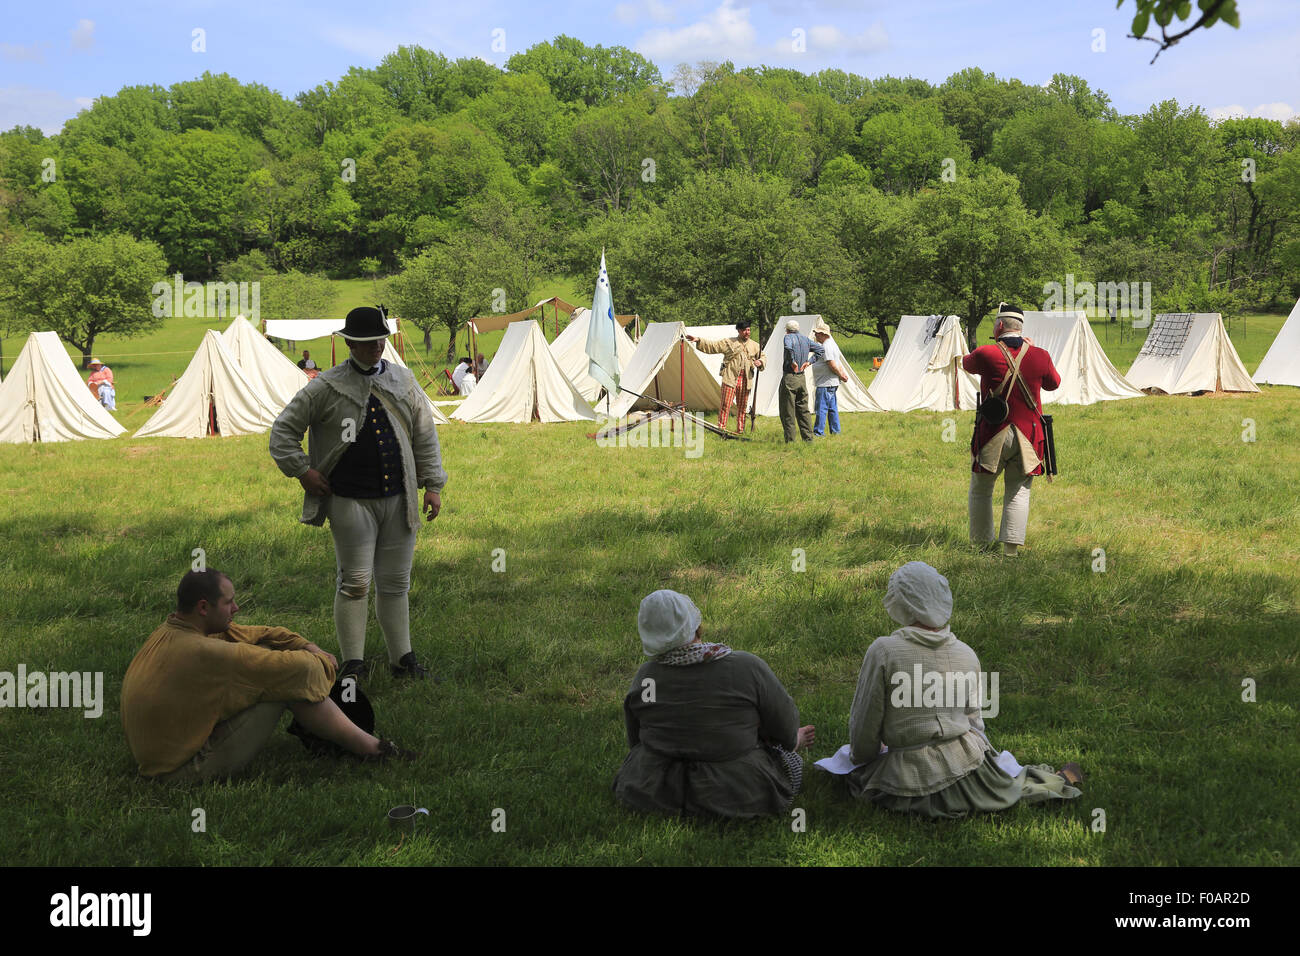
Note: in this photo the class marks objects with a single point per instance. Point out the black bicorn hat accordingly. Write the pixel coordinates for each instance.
(365, 324)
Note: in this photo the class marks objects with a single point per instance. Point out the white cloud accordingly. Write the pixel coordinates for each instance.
(83, 35)
(17, 53)
(44, 109)
(726, 34)
(1274, 111)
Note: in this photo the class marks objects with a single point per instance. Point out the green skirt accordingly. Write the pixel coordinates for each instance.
(985, 790)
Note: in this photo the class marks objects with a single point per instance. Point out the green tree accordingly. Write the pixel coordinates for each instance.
(296, 295)
(451, 282)
(907, 150)
(987, 246)
(192, 207)
(576, 72)
(82, 288)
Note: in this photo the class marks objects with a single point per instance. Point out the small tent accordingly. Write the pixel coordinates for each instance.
(275, 375)
(391, 355)
(1189, 352)
(1281, 365)
(1087, 375)
(851, 397)
(213, 397)
(570, 351)
(524, 383)
(656, 370)
(44, 399)
(922, 369)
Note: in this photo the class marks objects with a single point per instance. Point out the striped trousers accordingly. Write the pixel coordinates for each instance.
(739, 393)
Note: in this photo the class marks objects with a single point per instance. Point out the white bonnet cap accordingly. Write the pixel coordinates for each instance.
(667, 620)
(917, 592)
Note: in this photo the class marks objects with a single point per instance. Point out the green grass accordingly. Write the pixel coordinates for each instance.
(1136, 672)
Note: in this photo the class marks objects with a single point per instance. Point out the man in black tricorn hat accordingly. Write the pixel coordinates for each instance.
(741, 357)
(373, 445)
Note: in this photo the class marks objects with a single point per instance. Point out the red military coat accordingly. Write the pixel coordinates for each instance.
(1037, 371)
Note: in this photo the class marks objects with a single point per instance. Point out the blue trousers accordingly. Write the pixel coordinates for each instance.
(828, 411)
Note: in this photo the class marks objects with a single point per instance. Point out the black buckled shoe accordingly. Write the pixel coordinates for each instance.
(408, 666)
(354, 668)
(390, 751)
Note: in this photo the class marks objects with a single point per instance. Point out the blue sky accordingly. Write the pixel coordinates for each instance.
(56, 57)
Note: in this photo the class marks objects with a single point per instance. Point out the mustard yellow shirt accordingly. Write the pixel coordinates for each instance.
(182, 683)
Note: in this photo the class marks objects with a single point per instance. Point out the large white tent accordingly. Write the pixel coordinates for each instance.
(524, 383)
(44, 399)
(1281, 365)
(922, 369)
(213, 391)
(278, 378)
(570, 351)
(656, 370)
(1189, 352)
(851, 397)
(391, 355)
(1087, 375)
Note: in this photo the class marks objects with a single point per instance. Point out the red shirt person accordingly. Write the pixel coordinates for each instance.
(1018, 444)
(99, 373)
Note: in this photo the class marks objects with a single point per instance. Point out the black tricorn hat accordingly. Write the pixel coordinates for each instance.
(365, 324)
(355, 706)
(743, 324)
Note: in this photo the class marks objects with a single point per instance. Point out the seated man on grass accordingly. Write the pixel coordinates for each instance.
(204, 695)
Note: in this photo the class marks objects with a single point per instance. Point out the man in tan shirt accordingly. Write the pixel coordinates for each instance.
(740, 355)
(204, 694)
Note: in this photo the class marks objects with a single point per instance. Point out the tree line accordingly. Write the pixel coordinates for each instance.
(717, 193)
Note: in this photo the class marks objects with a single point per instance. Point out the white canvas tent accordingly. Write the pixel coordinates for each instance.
(1189, 352)
(278, 378)
(712, 333)
(44, 399)
(922, 369)
(570, 351)
(214, 388)
(851, 397)
(656, 370)
(524, 383)
(391, 355)
(1281, 365)
(1087, 375)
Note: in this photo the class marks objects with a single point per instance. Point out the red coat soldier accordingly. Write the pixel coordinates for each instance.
(1016, 445)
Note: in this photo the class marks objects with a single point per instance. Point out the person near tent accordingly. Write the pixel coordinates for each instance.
(373, 445)
(930, 755)
(1017, 444)
(458, 374)
(468, 382)
(100, 374)
(799, 352)
(204, 694)
(827, 376)
(740, 356)
(307, 363)
(711, 731)
(480, 366)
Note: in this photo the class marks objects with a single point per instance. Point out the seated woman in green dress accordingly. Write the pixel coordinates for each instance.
(711, 730)
(923, 748)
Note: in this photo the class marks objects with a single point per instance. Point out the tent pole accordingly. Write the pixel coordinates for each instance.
(681, 354)
(333, 361)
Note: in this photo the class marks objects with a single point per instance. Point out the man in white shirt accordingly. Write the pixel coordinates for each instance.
(827, 376)
(458, 376)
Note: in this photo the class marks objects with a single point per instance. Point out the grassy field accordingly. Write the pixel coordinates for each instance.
(1136, 672)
